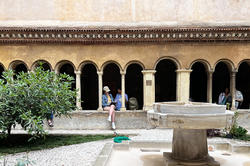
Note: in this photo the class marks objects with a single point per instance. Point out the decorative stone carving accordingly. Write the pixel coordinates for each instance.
(165, 34)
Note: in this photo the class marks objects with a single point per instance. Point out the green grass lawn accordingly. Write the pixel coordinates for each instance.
(19, 142)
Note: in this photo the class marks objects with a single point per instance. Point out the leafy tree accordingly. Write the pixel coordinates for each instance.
(31, 97)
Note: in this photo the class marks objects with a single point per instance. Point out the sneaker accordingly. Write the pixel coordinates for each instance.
(109, 118)
(50, 123)
(113, 125)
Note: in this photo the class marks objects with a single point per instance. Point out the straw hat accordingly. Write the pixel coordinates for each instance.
(106, 89)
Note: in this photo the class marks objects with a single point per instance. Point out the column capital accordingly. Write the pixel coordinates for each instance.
(78, 72)
(148, 71)
(183, 70)
(99, 72)
(211, 71)
(233, 72)
(122, 72)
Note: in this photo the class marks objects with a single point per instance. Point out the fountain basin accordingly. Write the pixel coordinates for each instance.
(190, 115)
(189, 121)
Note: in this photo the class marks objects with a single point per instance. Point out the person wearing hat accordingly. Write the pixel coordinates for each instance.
(108, 105)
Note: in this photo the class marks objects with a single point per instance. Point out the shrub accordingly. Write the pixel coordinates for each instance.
(237, 131)
(31, 97)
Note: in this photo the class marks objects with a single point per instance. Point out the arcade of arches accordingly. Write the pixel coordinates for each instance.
(166, 82)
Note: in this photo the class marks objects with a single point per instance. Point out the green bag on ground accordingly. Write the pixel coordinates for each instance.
(120, 139)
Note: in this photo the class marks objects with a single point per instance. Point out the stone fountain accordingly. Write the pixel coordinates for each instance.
(190, 122)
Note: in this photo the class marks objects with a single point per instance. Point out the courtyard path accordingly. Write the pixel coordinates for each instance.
(85, 154)
(81, 154)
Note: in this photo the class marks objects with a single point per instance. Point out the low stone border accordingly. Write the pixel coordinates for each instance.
(105, 154)
(232, 146)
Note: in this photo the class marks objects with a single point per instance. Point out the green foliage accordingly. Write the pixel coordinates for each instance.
(237, 131)
(31, 97)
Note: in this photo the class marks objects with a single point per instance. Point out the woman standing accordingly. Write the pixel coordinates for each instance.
(108, 104)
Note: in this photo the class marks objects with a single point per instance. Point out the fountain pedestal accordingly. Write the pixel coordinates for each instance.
(189, 147)
(189, 121)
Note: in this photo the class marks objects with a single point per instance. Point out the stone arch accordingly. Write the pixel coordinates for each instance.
(2, 69)
(68, 68)
(81, 66)
(36, 63)
(242, 61)
(112, 77)
(89, 85)
(134, 62)
(61, 63)
(242, 83)
(165, 80)
(221, 78)
(176, 62)
(228, 62)
(198, 81)
(204, 62)
(15, 63)
(109, 62)
(134, 77)
(1, 64)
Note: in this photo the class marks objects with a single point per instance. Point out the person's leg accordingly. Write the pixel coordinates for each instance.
(113, 113)
(113, 116)
(110, 112)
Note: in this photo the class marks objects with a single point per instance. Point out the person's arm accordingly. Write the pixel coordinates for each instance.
(112, 99)
(126, 98)
(239, 97)
(116, 98)
(104, 102)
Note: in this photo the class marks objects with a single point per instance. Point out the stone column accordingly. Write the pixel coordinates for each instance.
(233, 88)
(210, 86)
(183, 82)
(100, 90)
(123, 108)
(148, 89)
(78, 87)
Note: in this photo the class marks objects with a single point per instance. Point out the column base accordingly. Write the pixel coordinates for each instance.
(100, 109)
(79, 108)
(169, 161)
(123, 109)
(146, 108)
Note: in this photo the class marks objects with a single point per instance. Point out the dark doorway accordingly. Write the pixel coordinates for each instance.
(112, 78)
(221, 80)
(89, 87)
(243, 84)
(165, 81)
(134, 83)
(198, 83)
(68, 69)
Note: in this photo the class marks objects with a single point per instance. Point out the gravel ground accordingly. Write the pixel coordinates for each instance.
(85, 154)
(74, 155)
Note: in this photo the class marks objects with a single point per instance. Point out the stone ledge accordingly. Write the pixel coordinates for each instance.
(88, 120)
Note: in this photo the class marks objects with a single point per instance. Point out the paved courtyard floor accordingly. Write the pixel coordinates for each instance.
(86, 153)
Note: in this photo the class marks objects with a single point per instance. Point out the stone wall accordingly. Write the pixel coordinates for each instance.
(171, 11)
(146, 54)
(88, 120)
(95, 120)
